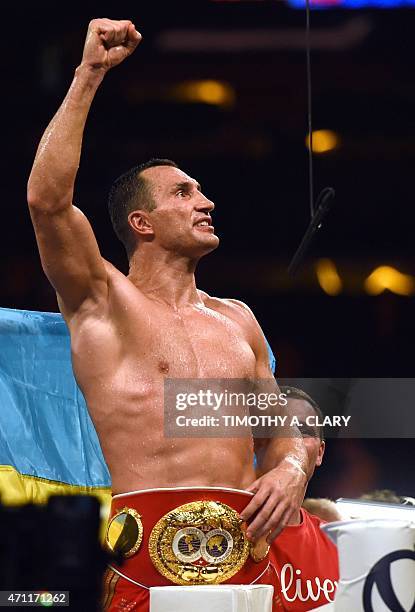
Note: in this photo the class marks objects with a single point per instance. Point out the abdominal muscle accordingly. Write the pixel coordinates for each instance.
(139, 456)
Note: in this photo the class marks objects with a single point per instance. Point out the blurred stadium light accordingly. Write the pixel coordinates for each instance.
(387, 277)
(348, 34)
(328, 277)
(352, 4)
(323, 141)
(330, 4)
(213, 92)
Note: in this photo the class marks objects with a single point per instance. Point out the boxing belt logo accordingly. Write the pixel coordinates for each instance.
(199, 543)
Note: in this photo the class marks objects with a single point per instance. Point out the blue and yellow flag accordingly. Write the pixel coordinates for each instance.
(48, 443)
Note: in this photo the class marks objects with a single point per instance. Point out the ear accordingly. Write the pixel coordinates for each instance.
(140, 222)
(320, 455)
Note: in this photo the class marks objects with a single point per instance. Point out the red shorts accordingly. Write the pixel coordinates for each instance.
(121, 594)
(126, 586)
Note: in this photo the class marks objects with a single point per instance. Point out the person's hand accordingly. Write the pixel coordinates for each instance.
(109, 42)
(278, 495)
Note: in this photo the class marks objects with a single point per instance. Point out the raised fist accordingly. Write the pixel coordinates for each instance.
(109, 42)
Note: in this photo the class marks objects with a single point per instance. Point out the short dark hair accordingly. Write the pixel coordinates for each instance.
(295, 393)
(129, 192)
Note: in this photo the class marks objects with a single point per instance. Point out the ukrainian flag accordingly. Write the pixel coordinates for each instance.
(48, 444)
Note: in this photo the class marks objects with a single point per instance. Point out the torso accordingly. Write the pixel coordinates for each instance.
(121, 358)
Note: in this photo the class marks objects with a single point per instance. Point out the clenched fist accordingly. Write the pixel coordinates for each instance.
(109, 42)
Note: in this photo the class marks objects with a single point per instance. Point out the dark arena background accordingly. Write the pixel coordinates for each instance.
(220, 87)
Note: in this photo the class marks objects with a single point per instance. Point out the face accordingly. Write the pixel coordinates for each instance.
(181, 222)
(314, 446)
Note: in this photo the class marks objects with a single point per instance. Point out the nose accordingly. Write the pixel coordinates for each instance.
(204, 204)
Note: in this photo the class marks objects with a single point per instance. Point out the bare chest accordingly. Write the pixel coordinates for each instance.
(193, 344)
(144, 344)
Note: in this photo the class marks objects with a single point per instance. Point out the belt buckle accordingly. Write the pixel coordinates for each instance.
(199, 543)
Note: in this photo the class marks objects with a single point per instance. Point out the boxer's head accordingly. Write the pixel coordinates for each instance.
(160, 204)
(309, 415)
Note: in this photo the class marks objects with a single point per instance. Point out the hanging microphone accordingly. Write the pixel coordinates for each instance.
(325, 199)
(323, 204)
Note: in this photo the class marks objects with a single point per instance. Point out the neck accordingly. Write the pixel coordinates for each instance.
(165, 277)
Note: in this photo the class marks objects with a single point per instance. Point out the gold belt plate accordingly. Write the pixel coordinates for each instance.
(199, 543)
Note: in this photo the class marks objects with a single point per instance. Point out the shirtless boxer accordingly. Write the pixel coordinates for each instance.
(129, 333)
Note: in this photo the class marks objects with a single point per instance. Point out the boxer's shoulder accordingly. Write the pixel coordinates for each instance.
(242, 316)
(230, 307)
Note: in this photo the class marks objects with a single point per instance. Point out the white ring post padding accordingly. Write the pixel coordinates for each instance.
(220, 598)
(361, 544)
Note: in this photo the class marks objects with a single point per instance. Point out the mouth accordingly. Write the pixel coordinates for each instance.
(204, 225)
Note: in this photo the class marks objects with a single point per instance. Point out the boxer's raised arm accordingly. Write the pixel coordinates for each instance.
(68, 249)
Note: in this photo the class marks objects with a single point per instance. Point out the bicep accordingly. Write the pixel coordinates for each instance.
(70, 255)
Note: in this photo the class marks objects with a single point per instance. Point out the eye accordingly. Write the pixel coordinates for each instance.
(181, 193)
(307, 431)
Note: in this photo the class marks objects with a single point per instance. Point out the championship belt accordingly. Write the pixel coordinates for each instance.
(199, 542)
